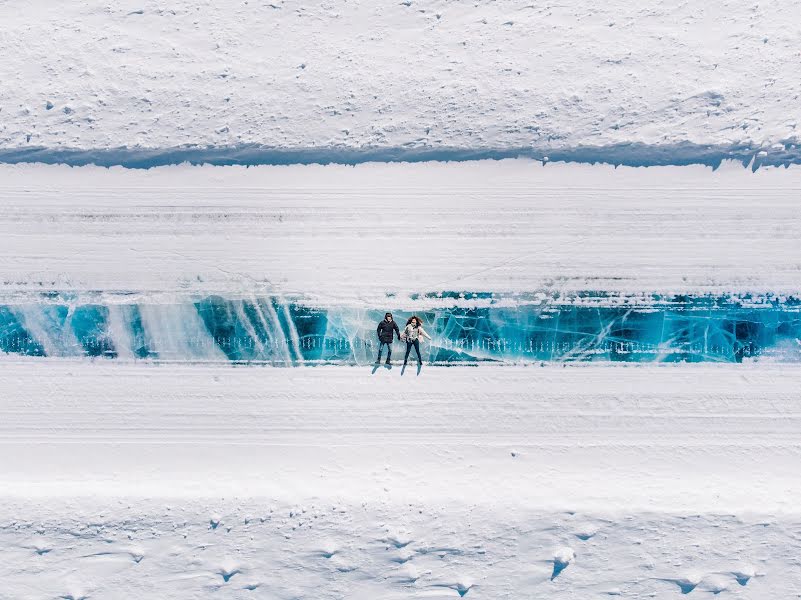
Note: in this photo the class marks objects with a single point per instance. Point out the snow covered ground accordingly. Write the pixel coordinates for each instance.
(339, 235)
(408, 75)
(137, 479)
(325, 550)
(134, 479)
(552, 437)
(152, 481)
(175, 480)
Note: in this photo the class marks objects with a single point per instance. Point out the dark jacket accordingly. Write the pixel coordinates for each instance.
(385, 329)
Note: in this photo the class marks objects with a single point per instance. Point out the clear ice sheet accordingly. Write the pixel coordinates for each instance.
(281, 332)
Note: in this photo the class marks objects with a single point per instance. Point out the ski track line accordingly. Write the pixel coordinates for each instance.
(206, 429)
(533, 230)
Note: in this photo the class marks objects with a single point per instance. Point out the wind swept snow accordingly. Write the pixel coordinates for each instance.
(345, 75)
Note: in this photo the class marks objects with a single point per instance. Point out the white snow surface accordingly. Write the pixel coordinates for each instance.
(402, 74)
(263, 549)
(349, 235)
(139, 480)
(123, 479)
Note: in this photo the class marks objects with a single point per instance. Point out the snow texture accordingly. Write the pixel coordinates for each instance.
(263, 549)
(154, 479)
(324, 233)
(407, 76)
(134, 480)
(641, 438)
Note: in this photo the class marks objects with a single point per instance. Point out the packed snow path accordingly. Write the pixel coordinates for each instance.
(701, 438)
(123, 480)
(404, 75)
(349, 235)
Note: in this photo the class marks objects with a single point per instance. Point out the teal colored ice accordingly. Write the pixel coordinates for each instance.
(478, 327)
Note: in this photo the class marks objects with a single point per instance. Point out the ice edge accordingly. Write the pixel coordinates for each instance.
(628, 154)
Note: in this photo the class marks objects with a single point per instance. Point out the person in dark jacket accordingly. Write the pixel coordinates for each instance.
(387, 330)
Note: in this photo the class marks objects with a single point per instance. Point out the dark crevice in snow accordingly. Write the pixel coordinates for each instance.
(631, 154)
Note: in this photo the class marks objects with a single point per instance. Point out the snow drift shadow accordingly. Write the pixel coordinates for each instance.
(634, 154)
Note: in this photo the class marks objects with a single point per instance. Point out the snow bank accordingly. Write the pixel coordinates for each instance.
(344, 76)
(376, 551)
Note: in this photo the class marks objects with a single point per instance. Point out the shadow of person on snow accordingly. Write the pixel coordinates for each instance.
(419, 367)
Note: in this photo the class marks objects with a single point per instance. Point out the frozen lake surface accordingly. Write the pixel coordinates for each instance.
(468, 327)
(620, 412)
(171, 472)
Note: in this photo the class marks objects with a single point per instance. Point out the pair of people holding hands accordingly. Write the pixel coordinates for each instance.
(412, 334)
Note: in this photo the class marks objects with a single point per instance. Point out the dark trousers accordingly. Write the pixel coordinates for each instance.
(416, 345)
(381, 348)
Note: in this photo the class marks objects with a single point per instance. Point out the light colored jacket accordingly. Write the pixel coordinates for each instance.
(410, 333)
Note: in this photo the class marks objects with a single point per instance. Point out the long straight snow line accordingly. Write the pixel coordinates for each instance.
(685, 438)
(352, 234)
(407, 74)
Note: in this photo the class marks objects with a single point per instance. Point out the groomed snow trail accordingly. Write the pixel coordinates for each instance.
(717, 438)
(350, 235)
(187, 480)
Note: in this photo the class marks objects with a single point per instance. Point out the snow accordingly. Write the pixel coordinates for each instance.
(264, 549)
(348, 236)
(346, 75)
(178, 481)
(680, 438)
(191, 477)
(170, 480)
(126, 479)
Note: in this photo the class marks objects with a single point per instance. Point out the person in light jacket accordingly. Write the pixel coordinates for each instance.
(412, 334)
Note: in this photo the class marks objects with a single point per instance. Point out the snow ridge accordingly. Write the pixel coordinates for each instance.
(629, 154)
